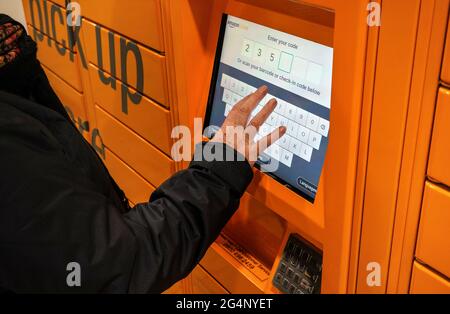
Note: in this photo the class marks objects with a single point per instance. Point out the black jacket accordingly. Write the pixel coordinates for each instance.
(58, 205)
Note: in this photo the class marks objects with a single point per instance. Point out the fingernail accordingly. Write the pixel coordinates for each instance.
(283, 129)
(263, 89)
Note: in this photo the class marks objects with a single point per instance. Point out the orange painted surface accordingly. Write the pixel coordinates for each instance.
(327, 222)
(433, 244)
(390, 107)
(69, 97)
(153, 64)
(145, 159)
(446, 65)
(424, 85)
(49, 19)
(135, 187)
(147, 118)
(369, 79)
(59, 63)
(425, 281)
(141, 20)
(232, 275)
(203, 283)
(438, 167)
(257, 228)
(61, 3)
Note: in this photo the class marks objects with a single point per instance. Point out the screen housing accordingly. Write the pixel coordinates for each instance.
(212, 93)
(328, 222)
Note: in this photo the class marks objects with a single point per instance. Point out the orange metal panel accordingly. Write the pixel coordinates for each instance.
(446, 65)
(177, 288)
(49, 19)
(230, 273)
(427, 66)
(366, 117)
(135, 187)
(147, 118)
(140, 63)
(342, 23)
(145, 159)
(60, 2)
(71, 99)
(87, 86)
(433, 244)
(392, 86)
(187, 26)
(60, 63)
(138, 19)
(258, 229)
(203, 283)
(438, 167)
(425, 281)
(318, 221)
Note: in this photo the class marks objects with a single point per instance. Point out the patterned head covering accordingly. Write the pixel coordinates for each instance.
(18, 64)
(9, 47)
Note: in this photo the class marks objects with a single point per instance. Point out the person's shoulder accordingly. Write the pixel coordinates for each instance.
(17, 122)
(18, 114)
(12, 111)
(23, 138)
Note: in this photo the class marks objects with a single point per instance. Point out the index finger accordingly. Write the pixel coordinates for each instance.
(241, 111)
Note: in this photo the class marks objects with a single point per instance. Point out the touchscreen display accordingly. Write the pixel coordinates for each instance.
(298, 73)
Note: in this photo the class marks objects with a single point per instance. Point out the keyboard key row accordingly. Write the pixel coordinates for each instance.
(295, 146)
(293, 139)
(302, 117)
(286, 157)
(304, 129)
(276, 119)
(289, 144)
(231, 98)
(235, 90)
(297, 132)
(236, 86)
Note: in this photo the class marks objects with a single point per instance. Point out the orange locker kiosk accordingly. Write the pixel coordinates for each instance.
(250, 256)
(358, 202)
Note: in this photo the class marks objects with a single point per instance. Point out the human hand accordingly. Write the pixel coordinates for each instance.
(238, 133)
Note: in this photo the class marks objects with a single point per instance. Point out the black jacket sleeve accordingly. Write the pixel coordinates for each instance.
(183, 218)
(146, 249)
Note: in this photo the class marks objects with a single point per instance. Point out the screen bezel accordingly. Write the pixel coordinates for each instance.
(210, 103)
